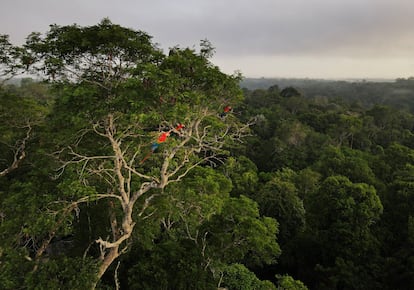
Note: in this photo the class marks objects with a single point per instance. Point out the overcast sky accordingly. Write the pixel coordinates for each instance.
(259, 38)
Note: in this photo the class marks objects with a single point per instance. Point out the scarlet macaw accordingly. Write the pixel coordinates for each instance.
(161, 139)
(226, 110)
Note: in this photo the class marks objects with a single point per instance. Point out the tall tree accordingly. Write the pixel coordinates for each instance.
(341, 215)
(117, 92)
(13, 59)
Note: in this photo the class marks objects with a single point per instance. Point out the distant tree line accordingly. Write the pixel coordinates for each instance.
(398, 93)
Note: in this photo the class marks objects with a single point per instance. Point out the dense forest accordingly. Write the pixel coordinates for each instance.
(397, 93)
(122, 167)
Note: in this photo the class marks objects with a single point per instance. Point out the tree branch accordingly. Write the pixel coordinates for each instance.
(19, 154)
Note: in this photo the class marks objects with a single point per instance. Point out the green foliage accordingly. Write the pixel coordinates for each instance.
(171, 264)
(107, 70)
(17, 271)
(243, 175)
(351, 205)
(202, 229)
(238, 277)
(359, 227)
(239, 232)
(13, 59)
(22, 111)
(14, 266)
(279, 198)
(394, 94)
(63, 273)
(286, 282)
(353, 164)
(342, 215)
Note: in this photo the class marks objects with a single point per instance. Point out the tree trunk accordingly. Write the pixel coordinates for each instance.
(107, 261)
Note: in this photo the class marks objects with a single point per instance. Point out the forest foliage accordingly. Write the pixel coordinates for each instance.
(289, 190)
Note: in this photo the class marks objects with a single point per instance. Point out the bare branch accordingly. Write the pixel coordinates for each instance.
(117, 284)
(146, 204)
(19, 154)
(196, 145)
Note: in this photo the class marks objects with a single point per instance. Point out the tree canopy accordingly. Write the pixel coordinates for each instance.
(120, 168)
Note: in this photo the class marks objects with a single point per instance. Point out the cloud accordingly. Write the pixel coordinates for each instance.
(315, 67)
(364, 30)
(353, 28)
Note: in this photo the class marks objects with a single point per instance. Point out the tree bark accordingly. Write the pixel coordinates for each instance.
(107, 261)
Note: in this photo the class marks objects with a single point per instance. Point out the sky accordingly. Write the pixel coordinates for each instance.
(329, 39)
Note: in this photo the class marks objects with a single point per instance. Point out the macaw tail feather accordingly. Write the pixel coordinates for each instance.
(146, 157)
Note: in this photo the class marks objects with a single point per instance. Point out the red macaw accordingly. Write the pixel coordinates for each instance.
(226, 110)
(179, 127)
(163, 137)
